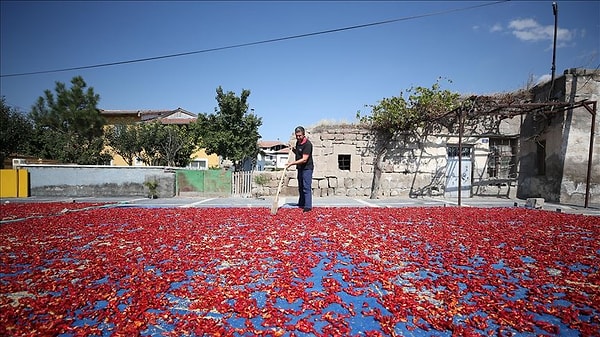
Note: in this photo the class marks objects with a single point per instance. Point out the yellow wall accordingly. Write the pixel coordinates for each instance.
(118, 160)
(23, 183)
(14, 183)
(213, 159)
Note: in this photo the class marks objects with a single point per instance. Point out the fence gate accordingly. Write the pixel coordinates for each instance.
(241, 184)
(205, 182)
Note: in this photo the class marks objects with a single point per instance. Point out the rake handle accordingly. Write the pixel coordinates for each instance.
(280, 183)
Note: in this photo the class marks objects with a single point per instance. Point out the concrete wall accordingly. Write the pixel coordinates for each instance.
(579, 86)
(84, 180)
(567, 138)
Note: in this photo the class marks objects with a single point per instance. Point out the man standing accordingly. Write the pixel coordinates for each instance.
(304, 164)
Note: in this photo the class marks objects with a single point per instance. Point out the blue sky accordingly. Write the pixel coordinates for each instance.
(483, 47)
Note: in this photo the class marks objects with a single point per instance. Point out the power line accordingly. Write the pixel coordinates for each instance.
(292, 37)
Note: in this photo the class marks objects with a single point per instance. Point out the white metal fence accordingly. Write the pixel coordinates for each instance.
(241, 184)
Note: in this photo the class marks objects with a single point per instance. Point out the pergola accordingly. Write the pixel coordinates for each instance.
(506, 107)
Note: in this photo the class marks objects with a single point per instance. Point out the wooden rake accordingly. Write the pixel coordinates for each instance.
(276, 203)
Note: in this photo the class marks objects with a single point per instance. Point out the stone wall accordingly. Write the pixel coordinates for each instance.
(409, 168)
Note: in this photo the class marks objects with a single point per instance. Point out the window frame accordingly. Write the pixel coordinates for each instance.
(344, 160)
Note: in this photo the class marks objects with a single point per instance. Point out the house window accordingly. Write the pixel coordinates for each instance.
(344, 162)
(541, 157)
(452, 151)
(198, 164)
(270, 163)
(502, 159)
(283, 160)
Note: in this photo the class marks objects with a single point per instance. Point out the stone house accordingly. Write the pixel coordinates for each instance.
(344, 163)
(499, 157)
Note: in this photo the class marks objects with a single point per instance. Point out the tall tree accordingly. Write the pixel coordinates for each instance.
(69, 125)
(231, 132)
(170, 145)
(412, 117)
(124, 140)
(177, 145)
(15, 131)
(150, 140)
(154, 143)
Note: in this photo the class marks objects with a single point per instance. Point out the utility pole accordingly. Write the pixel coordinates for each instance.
(555, 11)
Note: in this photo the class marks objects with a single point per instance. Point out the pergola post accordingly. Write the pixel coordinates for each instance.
(592, 111)
(460, 135)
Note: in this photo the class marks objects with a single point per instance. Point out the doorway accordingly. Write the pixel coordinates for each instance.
(452, 173)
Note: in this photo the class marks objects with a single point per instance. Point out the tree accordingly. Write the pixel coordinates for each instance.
(412, 117)
(176, 145)
(124, 140)
(69, 126)
(156, 144)
(15, 131)
(231, 132)
(150, 142)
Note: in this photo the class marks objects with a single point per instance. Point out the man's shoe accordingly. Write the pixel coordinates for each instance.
(307, 210)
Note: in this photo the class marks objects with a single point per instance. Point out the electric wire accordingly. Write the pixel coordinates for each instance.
(589, 78)
(292, 37)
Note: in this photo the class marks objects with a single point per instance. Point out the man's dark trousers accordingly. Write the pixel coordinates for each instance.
(305, 188)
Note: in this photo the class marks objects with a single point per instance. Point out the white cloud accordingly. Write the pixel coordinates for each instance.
(564, 34)
(496, 28)
(523, 24)
(531, 30)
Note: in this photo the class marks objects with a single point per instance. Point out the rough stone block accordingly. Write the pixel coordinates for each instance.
(332, 182)
(355, 163)
(348, 183)
(398, 168)
(361, 143)
(367, 159)
(366, 183)
(323, 183)
(535, 203)
(289, 191)
(367, 168)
